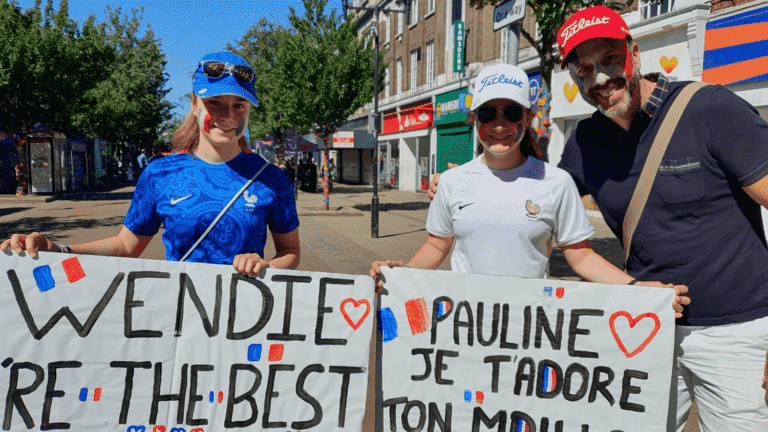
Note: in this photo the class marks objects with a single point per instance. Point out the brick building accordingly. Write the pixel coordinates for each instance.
(422, 103)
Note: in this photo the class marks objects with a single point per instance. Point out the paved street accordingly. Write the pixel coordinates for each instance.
(338, 240)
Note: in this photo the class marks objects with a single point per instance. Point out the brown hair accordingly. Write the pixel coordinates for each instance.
(187, 136)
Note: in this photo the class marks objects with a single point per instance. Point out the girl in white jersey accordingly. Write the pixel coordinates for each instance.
(507, 206)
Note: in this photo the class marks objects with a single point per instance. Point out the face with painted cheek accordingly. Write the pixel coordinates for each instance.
(607, 74)
(500, 136)
(223, 119)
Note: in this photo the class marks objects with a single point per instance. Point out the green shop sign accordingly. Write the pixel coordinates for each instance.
(452, 107)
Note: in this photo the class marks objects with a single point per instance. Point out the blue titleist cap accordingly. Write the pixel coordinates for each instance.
(226, 84)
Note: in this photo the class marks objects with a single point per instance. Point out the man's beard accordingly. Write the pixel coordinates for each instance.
(621, 108)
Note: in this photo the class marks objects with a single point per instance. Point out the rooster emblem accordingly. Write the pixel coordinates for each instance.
(533, 210)
(250, 199)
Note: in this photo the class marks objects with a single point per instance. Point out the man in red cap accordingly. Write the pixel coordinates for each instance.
(701, 225)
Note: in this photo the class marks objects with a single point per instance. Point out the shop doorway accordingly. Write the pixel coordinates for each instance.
(389, 164)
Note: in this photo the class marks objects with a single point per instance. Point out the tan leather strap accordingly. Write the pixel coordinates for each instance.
(652, 162)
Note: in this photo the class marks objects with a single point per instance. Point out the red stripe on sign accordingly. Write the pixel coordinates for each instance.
(73, 269)
(97, 394)
(418, 316)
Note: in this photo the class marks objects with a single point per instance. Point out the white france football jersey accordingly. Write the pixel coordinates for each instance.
(504, 221)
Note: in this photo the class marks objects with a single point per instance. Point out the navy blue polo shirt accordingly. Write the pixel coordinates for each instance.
(699, 227)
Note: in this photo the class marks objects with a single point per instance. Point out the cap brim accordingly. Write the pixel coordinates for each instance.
(223, 87)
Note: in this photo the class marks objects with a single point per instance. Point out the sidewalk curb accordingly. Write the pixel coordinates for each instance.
(338, 211)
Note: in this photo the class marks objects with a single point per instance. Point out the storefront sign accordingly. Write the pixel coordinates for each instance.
(458, 47)
(345, 139)
(452, 107)
(507, 13)
(534, 83)
(419, 117)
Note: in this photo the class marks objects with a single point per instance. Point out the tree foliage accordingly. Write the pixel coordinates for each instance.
(95, 79)
(550, 15)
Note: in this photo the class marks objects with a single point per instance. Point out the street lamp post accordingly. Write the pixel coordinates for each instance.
(376, 9)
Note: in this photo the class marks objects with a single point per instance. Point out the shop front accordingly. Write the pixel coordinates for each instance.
(404, 147)
(352, 152)
(455, 141)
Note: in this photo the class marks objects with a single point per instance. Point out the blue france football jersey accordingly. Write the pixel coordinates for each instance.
(185, 194)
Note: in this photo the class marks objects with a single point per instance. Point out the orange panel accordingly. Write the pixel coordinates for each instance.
(736, 72)
(737, 35)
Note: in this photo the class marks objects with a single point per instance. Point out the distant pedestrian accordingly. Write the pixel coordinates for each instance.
(186, 191)
(156, 154)
(142, 160)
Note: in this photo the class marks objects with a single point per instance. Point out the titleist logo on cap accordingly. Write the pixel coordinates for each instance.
(501, 79)
(581, 24)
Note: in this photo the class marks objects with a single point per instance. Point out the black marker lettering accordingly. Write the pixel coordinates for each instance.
(270, 394)
(627, 389)
(51, 392)
(285, 335)
(494, 324)
(504, 329)
(522, 375)
(130, 303)
(422, 415)
(575, 368)
(440, 366)
(233, 400)
(268, 301)
(301, 392)
(601, 386)
(193, 396)
(13, 399)
(346, 371)
(469, 323)
(128, 390)
(426, 352)
(478, 416)
(495, 361)
(392, 404)
(186, 285)
(322, 310)
(444, 422)
(542, 323)
(574, 330)
(179, 397)
(439, 318)
(82, 330)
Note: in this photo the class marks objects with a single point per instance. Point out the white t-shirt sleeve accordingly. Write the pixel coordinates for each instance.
(572, 223)
(439, 218)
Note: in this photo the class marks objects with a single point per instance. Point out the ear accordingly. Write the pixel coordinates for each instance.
(634, 53)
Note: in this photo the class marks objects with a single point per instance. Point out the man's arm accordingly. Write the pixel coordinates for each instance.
(758, 191)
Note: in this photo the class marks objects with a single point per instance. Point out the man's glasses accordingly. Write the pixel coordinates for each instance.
(513, 113)
(215, 69)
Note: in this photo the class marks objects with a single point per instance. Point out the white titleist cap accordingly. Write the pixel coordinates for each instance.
(501, 81)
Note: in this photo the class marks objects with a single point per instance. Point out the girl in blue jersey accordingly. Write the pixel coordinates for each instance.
(187, 190)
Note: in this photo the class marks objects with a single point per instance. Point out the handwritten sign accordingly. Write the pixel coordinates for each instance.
(474, 352)
(99, 343)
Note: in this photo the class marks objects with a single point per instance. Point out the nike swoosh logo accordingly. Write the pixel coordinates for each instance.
(462, 206)
(174, 201)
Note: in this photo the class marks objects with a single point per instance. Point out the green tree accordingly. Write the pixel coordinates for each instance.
(129, 106)
(327, 71)
(550, 15)
(259, 46)
(46, 66)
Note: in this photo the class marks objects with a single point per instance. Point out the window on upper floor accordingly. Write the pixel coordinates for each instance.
(415, 12)
(430, 6)
(653, 8)
(386, 82)
(430, 62)
(388, 29)
(399, 76)
(414, 68)
(400, 19)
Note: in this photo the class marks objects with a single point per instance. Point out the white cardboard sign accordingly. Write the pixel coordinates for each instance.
(115, 344)
(469, 352)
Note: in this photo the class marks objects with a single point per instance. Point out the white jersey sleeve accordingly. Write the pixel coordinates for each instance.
(572, 224)
(439, 217)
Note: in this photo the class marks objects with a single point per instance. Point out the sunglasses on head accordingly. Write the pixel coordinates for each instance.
(215, 69)
(513, 113)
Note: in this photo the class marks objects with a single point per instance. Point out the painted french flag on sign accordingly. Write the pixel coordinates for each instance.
(550, 380)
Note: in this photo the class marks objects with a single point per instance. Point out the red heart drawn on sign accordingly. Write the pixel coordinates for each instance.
(197, 430)
(356, 304)
(158, 428)
(632, 323)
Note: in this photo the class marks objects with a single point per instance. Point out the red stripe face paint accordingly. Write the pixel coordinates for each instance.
(204, 121)
(629, 65)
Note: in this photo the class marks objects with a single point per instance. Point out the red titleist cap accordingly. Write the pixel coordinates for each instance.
(594, 22)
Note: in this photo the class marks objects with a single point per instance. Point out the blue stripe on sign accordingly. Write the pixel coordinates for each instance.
(83, 394)
(545, 381)
(467, 396)
(762, 77)
(210, 397)
(440, 309)
(751, 17)
(44, 278)
(387, 325)
(735, 54)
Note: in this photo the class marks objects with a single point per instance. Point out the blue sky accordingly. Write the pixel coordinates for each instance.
(189, 29)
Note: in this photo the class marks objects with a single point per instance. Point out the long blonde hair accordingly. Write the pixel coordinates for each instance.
(187, 137)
